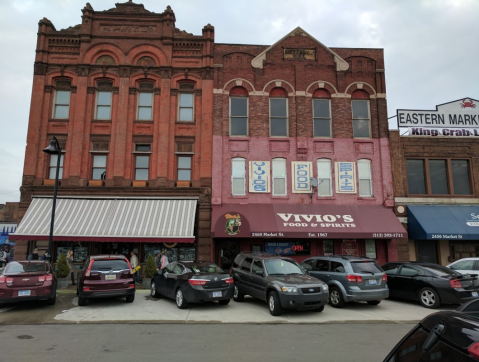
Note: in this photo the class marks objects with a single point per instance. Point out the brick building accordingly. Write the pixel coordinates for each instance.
(435, 167)
(301, 159)
(130, 99)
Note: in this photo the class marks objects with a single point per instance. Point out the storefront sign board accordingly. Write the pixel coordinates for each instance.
(345, 177)
(259, 176)
(301, 172)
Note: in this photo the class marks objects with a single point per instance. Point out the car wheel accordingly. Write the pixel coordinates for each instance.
(237, 295)
(180, 300)
(274, 304)
(130, 298)
(429, 298)
(224, 302)
(373, 302)
(320, 309)
(154, 293)
(336, 298)
(81, 301)
(52, 301)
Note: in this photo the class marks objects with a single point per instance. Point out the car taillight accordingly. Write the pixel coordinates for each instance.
(354, 278)
(41, 279)
(2, 279)
(49, 277)
(88, 270)
(228, 280)
(456, 283)
(198, 281)
(385, 278)
(474, 350)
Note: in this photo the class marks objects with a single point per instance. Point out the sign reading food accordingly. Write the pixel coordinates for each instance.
(301, 171)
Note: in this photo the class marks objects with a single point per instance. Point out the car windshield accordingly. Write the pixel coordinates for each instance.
(205, 268)
(113, 264)
(366, 267)
(440, 270)
(282, 267)
(26, 267)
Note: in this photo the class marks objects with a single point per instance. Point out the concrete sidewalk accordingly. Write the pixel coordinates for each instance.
(146, 309)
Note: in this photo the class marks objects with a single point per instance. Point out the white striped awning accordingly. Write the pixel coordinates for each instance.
(117, 220)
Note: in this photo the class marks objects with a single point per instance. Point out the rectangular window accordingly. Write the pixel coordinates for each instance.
(53, 167)
(184, 168)
(278, 117)
(321, 118)
(328, 247)
(186, 107)
(62, 104)
(324, 178)
(279, 177)
(238, 176)
(239, 116)
(145, 106)
(361, 120)
(438, 177)
(99, 167)
(103, 105)
(364, 177)
(142, 166)
(371, 248)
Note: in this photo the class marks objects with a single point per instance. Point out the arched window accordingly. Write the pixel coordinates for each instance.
(278, 112)
(279, 177)
(321, 113)
(238, 176)
(324, 177)
(145, 101)
(238, 112)
(361, 114)
(365, 178)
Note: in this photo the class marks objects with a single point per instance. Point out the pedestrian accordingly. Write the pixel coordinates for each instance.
(71, 266)
(33, 255)
(164, 260)
(134, 264)
(158, 260)
(45, 256)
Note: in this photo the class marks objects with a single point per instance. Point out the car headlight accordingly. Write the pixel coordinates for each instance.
(289, 289)
(325, 287)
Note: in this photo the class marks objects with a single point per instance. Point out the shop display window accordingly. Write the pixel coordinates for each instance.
(287, 248)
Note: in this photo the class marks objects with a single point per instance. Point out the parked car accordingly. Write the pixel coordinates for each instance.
(430, 284)
(193, 282)
(466, 266)
(441, 336)
(28, 280)
(279, 281)
(106, 276)
(350, 278)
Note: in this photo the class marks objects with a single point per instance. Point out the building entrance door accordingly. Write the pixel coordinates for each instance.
(228, 249)
(426, 251)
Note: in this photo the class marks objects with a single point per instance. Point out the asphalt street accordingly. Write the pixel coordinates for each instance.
(199, 342)
(146, 309)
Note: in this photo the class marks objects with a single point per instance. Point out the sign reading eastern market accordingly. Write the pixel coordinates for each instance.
(457, 119)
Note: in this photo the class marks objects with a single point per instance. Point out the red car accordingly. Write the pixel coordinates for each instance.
(28, 280)
(106, 276)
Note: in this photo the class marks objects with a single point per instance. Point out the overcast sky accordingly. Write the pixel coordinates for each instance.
(431, 48)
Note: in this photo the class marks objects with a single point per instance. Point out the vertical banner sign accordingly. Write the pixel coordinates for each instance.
(345, 177)
(259, 176)
(301, 172)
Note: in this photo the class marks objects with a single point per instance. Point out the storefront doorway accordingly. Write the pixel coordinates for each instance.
(426, 251)
(228, 249)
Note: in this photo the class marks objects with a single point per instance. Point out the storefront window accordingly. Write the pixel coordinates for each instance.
(287, 248)
(177, 253)
(371, 249)
(328, 247)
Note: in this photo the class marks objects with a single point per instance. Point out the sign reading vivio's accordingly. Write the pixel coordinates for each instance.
(458, 114)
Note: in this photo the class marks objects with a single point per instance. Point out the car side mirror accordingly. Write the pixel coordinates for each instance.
(259, 272)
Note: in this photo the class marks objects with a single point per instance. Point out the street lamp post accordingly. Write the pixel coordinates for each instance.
(53, 149)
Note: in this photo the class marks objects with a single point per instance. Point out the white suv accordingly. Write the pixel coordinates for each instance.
(466, 266)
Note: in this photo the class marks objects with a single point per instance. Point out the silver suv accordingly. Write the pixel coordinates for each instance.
(350, 278)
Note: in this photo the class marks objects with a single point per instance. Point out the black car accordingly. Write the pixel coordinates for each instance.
(430, 284)
(442, 336)
(193, 282)
(279, 281)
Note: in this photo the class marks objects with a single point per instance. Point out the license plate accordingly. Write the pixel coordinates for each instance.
(474, 294)
(373, 281)
(216, 294)
(23, 293)
(110, 277)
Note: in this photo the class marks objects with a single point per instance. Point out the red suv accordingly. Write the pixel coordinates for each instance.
(106, 276)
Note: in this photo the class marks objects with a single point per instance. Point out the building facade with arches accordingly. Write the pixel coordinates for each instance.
(301, 158)
(129, 97)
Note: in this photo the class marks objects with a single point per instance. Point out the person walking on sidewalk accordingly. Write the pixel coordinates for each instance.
(134, 264)
(164, 260)
(33, 255)
(71, 265)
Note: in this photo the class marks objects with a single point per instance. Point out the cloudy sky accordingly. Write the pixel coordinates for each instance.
(431, 48)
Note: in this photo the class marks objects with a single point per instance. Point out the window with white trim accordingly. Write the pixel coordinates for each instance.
(61, 108)
(99, 167)
(365, 178)
(145, 102)
(184, 168)
(324, 177)
(103, 100)
(279, 177)
(53, 167)
(238, 176)
(186, 109)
